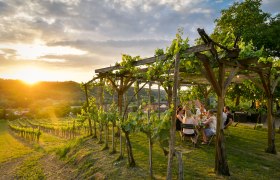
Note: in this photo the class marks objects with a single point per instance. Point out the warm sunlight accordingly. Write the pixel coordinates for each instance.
(31, 75)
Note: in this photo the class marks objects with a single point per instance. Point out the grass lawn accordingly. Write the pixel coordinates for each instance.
(10, 147)
(245, 153)
(244, 146)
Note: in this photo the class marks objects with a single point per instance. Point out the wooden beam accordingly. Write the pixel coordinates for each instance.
(265, 84)
(136, 63)
(151, 60)
(198, 48)
(93, 79)
(230, 77)
(209, 72)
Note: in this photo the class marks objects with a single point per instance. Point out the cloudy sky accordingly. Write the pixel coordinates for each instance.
(59, 40)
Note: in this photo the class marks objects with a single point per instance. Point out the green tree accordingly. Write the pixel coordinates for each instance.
(259, 31)
(246, 19)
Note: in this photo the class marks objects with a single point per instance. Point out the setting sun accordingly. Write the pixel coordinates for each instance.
(30, 81)
(31, 75)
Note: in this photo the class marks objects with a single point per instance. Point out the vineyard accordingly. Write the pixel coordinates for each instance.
(226, 84)
(88, 158)
(105, 141)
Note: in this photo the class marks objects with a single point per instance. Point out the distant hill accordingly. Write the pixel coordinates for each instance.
(17, 94)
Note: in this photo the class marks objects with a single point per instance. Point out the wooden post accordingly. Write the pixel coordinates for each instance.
(113, 128)
(101, 101)
(180, 165)
(150, 138)
(137, 95)
(221, 165)
(271, 127)
(173, 119)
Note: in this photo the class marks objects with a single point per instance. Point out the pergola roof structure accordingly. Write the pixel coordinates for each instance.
(229, 68)
(186, 78)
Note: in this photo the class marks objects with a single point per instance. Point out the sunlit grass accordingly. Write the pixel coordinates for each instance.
(10, 147)
(51, 142)
(30, 168)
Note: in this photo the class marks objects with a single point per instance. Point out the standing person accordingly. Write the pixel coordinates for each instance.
(179, 118)
(210, 124)
(229, 119)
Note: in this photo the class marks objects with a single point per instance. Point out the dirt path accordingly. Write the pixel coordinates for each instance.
(8, 169)
(55, 169)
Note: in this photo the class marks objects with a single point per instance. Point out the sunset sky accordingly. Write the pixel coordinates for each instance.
(61, 40)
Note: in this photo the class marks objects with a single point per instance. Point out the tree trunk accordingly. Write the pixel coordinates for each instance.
(221, 166)
(173, 119)
(253, 104)
(271, 127)
(106, 136)
(100, 132)
(237, 101)
(131, 161)
(89, 120)
(94, 128)
(169, 96)
(113, 139)
(120, 102)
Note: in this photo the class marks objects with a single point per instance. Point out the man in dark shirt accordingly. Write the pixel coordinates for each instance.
(229, 119)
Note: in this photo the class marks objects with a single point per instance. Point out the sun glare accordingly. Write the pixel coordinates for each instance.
(30, 75)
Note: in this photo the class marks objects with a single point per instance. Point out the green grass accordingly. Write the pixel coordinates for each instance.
(10, 147)
(244, 146)
(30, 168)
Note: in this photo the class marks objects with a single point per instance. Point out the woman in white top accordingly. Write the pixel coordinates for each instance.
(188, 119)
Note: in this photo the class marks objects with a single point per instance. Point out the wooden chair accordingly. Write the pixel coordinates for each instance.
(211, 139)
(187, 126)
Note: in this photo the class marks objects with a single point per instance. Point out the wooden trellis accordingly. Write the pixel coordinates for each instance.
(230, 64)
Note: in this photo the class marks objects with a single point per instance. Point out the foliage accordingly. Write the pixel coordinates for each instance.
(247, 90)
(246, 19)
(112, 115)
(127, 65)
(130, 124)
(161, 131)
(161, 69)
(26, 132)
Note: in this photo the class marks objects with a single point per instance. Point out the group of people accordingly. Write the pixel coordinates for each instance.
(206, 122)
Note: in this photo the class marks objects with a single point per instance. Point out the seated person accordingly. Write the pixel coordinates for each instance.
(188, 119)
(224, 119)
(179, 118)
(210, 130)
(229, 117)
(200, 112)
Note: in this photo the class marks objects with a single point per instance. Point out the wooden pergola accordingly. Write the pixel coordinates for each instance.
(229, 69)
